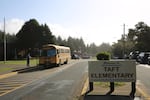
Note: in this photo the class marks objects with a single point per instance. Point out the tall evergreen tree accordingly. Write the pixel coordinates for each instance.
(29, 34)
(34, 35)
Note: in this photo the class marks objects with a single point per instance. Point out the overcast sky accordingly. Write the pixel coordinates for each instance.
(95, 21)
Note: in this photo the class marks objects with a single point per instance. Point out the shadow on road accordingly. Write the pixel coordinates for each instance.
(32, 69)
(107, 97)
(90, 95)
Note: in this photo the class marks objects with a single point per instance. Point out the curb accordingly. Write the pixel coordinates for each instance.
(8, 75)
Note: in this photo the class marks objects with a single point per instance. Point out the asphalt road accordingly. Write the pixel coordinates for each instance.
(60, 83)
(63, 83)
(143, 77)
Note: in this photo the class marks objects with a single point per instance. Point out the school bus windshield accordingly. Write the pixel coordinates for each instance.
(48, 53)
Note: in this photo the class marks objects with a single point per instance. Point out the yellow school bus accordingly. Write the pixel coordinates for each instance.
(54, 55)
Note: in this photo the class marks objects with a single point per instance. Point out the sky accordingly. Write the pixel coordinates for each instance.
(96, 21)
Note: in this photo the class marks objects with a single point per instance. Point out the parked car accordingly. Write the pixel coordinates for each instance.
(143, 57)
(85, 57)
(75, 56)
(148, 60)
(134, 55)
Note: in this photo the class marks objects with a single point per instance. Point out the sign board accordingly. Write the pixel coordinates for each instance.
(112, 71)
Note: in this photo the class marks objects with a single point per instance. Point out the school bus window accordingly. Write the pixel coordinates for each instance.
(65, 51)
(44, 53)
(51, 52)
(62, 51)
(59, 50)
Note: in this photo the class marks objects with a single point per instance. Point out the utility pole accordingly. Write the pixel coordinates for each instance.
(123, 40)
(4, 43)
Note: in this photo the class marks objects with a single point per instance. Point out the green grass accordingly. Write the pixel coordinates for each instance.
(107, 84)
(33, 62)
(4, 69)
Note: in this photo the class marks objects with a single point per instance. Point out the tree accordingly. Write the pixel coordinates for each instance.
(28, 35)
(104, 47)
(140, 36)
(92, 49)
(11, 38)
(45, 36)
(82, 46)
(137, 39)
(10, 45)
(117, 49)
(76, 45)
(1, 37)
(60, 41)
(34, 35)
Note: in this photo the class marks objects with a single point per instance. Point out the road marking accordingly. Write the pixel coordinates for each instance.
(17, 82)
(85, 87)
(8, 75)
(12, 85)
(15, 88)
(7, 86)
(142, 91)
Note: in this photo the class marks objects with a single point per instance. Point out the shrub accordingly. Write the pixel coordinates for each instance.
(103, 56)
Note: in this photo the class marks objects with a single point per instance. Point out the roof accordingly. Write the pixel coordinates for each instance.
(55, 46)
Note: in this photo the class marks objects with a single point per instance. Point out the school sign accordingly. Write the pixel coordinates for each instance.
(112, 71)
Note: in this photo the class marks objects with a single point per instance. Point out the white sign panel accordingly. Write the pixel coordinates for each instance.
(112, 71)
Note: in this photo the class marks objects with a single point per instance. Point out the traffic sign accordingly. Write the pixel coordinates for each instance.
(112, 71)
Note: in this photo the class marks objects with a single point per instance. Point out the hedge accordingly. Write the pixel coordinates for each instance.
(103, 56)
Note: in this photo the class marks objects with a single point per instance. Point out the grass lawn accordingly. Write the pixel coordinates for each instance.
(107, 84)
(4, 69)
(33, 62)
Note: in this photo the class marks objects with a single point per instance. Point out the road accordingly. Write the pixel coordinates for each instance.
(61, 83)
(143, 77)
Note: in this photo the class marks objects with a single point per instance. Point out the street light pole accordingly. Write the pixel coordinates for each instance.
(4, 43)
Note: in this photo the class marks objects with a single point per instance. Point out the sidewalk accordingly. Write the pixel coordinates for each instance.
(100, 93)
(120, 93)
